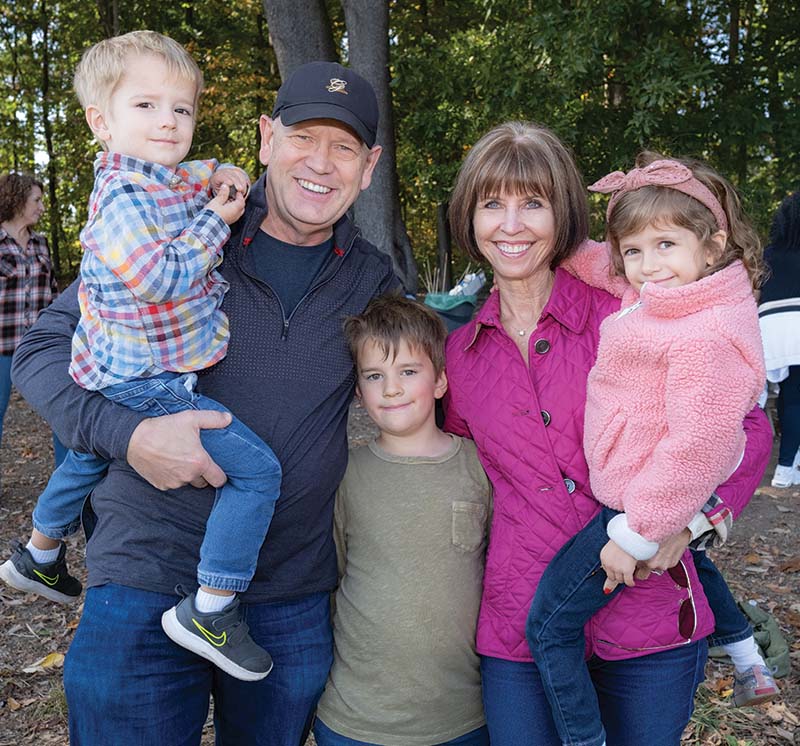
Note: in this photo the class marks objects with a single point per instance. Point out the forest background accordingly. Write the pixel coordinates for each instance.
(716, 79)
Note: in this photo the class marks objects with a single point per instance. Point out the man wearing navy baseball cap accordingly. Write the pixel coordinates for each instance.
(319, 149)
(296, 267)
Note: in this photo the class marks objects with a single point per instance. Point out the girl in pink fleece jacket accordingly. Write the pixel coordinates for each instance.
(677, 370)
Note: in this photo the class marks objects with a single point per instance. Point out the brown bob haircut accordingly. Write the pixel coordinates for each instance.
(392, 319)
(521, 158)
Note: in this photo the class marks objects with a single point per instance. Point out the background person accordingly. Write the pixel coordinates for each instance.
(517, 385)
(779, 316)
(27, 282)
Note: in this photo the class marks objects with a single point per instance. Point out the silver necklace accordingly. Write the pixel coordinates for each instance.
(526, 330)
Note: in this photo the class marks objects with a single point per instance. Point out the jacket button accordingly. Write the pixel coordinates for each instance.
(570, 485)
(546, 417)
(541, 346)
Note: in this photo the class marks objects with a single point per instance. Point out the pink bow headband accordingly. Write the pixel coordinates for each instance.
(669, 174)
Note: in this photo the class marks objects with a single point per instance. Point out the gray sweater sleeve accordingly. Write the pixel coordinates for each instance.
(82, 420)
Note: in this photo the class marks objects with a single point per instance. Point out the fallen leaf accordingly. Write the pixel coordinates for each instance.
(51, 660)
(793, 565)
(13, 705)
(752, 559)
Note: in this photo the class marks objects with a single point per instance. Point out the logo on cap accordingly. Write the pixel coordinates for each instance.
(337, 85)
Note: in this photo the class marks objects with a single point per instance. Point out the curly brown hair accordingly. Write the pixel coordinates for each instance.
(636, 210)
(14, 191)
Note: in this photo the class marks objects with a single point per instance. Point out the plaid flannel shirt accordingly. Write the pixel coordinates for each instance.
(149, 294)
(27, 285)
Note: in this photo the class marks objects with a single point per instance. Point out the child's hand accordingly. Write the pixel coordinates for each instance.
(230, 210)
(619, 566)
(232, 176)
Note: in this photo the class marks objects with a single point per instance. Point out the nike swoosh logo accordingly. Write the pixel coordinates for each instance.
(216, 640)
(49, 581)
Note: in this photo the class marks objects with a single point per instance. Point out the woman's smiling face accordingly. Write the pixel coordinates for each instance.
(515, 232)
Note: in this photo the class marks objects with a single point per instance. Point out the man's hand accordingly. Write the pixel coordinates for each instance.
(618, 565)
(668, 555)
(167, 452)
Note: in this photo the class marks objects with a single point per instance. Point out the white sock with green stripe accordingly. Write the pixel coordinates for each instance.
(43, 556)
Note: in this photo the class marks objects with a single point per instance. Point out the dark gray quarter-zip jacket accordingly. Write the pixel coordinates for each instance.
(290, 380)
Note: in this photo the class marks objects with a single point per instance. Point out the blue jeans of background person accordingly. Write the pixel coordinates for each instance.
(646, 700)
(128, 684)
(730, 624)
(59, 451)
(243, 507)
(324, 736)
(788, 408)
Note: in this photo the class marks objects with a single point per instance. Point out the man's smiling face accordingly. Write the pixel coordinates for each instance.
(316, 169)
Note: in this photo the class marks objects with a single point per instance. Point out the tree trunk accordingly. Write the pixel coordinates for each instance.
(300, 32)
(377, 210)
(52, 173)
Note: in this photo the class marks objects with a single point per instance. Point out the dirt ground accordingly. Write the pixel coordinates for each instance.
(761, 561)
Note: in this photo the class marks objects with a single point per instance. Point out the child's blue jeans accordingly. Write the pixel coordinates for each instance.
(243, 508)
(569, 593)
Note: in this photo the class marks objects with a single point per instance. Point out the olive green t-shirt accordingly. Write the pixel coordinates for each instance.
(411, 537)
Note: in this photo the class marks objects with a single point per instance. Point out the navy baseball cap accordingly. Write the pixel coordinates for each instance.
(326, 90)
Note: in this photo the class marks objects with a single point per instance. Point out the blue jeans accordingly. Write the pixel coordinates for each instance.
(646, 700)
(730, 624)
(128, 684)
(788, 408)
(59, 451)
(243, 507)
(569, 593)
(326, 737)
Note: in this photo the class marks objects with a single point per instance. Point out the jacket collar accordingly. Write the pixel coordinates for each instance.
(111, 161)
(568, 306)
(729, 286)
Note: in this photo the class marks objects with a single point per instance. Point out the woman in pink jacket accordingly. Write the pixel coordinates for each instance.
(677, 370)
(517, 378)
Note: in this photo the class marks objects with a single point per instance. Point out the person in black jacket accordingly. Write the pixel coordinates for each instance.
(779, 317)
(297, 267)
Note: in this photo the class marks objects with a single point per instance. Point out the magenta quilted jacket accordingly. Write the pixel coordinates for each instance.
(528, 427)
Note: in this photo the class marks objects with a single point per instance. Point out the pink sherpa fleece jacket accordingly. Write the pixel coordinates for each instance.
(677, 370)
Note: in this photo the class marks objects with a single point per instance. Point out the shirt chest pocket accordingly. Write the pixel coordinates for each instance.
(469, 525)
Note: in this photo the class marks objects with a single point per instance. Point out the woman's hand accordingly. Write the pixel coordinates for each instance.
(618, 565)
(668, 555)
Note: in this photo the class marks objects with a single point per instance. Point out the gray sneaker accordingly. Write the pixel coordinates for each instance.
(221, 637)
(51, 580)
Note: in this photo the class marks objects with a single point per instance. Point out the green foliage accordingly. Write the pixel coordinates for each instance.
(229, 40)
(609, 77)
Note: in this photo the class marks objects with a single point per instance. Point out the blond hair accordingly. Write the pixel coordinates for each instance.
(521, 158)
(660, 205)
(103, 65)
(391, 319)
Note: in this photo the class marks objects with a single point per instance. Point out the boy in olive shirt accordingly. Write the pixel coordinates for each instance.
(410, 525)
